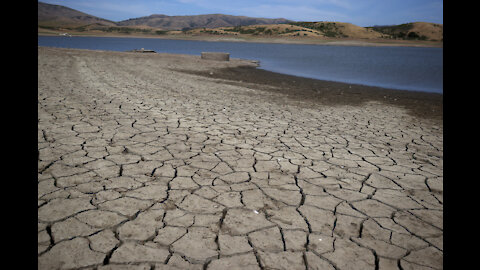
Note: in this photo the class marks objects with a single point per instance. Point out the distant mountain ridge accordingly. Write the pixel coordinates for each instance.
(56, 15)
(197, 21)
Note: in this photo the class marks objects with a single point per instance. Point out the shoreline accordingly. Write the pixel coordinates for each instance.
(311, 92)
(314, 92)
(274, 40)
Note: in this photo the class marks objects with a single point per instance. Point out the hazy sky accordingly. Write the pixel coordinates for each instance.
(359, 12)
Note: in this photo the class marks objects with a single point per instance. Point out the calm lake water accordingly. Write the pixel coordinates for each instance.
(405, 68)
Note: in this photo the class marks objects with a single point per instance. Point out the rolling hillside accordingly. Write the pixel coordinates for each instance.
(199, 21)
(418, 30)
(335, 30)
(341, 30)
(60, 16)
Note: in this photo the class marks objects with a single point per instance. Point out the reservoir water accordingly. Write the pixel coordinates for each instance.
(405, 68)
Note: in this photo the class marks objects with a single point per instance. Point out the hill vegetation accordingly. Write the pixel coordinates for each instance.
(418, 30)
(340, 30)
(336, 30)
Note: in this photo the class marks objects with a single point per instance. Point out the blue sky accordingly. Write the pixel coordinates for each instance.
(359, 12)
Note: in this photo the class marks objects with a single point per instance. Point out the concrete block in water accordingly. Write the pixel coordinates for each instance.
(219, 56)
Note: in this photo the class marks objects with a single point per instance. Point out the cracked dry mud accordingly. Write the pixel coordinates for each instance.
(145, 167)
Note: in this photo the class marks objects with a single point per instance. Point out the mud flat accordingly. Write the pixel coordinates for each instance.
(174, 162)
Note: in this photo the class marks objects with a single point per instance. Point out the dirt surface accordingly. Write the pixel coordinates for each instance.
(143, 165)
(317, 92)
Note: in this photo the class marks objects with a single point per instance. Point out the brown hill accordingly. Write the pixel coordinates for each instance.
(338, 30)
(198, 21)
(260, 30)
(60, 16)
(415, 30)
(432, 31)
(302, 29)
(341, 30)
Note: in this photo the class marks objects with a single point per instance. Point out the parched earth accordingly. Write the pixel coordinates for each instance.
(143, 165)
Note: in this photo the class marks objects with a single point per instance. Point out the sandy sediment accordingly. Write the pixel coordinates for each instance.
(171, 161)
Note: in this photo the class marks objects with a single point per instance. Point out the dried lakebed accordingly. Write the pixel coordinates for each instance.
(155, 162)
